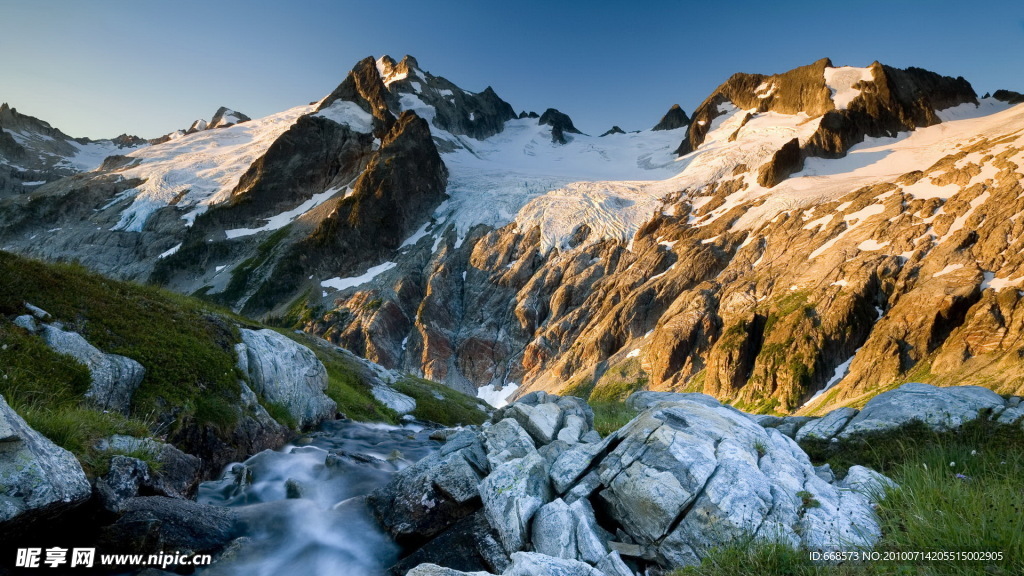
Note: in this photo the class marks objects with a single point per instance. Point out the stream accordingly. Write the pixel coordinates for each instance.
(301, 506)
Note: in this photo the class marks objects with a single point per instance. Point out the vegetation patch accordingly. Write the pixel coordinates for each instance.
(610, 416)
(439, 403)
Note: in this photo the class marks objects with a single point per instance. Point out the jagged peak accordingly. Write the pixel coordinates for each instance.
(675, 118)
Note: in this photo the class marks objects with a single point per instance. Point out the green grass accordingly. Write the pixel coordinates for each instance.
(610, 416)
(439, 403)
(959, 491)
(187, 349)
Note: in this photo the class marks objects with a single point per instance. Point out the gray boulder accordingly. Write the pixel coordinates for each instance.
(645, 399)
(430, 496)
(612, 565)
(542, 421)
(534, 564)
(37, 477)
(435, 570)
(114, 378)
(153, 524)
(1013, 413)
(27, 322)
(505, 441)
(553, 530)
(827, 426)
(286, 373)
(939, 408)
(121, 482)
(511, 495)
(685, 477)
(178, 473)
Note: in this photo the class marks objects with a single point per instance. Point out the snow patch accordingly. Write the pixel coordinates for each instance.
(947, 270)
(348, 114)
(841, 81)
(495, 395)
(285, 218)
(351, 282)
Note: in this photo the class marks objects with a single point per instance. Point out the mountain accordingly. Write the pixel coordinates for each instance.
(33, 153)
(828, 227)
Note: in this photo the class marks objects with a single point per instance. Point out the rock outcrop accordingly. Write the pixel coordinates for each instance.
(560, 124)
(286, 373)
(38, 479)
(675, 118)
(686, 475)
(114, 378)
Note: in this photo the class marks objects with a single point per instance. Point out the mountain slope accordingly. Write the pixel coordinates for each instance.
(829, 227)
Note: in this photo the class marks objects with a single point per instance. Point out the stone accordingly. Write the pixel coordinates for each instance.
(121, 482)
(393, 399)
(572, 430)
(612, 565)
(939, 408)
(287, 373)
(1012, 414)
(114, 378)
(38, 312)
(542, 421)
(827, 426)
(591, 539)
(553, 532)
(435, 570)
(469, 545)
(150, 525)
(511, 494)
(433, 494)
(178, 473)
(27, 322)
(505, 441)
(535, 564)
(573, 463)
(38, 479)
(645, 399)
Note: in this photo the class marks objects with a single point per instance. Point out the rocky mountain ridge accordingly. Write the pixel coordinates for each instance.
(792, 247)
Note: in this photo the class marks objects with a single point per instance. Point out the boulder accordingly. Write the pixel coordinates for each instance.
(645, 399)
(287, 373)
(114, 378)
(542, 421)
(685, 477)
(430, 496)
(435, 570)
(535, 564)
(511, 494)
(150, 525)
(38, 479)
(121, 482)
(827, 426)
(612, 565)
(506, 441)
(178, 473)
(939, 408)
(27, 322)
(470, 545)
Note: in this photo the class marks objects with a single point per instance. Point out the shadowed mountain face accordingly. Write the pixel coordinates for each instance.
(840, 227)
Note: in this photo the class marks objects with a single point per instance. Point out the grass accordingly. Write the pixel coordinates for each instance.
(958, 491)
(610, 416)
(439, 403)
(187, 350)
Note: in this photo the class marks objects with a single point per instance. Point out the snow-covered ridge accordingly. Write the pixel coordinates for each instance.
(198, 170)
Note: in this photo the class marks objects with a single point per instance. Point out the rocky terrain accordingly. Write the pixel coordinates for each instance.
(829, 229)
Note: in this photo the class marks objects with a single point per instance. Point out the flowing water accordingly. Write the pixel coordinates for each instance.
(301, 505)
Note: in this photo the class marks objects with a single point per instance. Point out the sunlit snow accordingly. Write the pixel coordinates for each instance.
(496, 396)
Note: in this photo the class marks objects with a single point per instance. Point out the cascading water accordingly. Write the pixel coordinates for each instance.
(301, 506)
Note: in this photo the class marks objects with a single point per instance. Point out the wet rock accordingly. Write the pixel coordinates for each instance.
(470, 545)
(428, 497)
(157, 523)
(38, 479)
(177, 475)
(939, 408)
(286, 373)
(511, 494)
(114, 378)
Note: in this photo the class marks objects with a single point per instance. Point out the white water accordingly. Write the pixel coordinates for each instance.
(328, 531)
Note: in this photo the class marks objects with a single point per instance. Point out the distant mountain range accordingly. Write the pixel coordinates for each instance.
(801, 241)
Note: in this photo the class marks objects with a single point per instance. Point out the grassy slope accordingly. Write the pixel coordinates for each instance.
(185, 344)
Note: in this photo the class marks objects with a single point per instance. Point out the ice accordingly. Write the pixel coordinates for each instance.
(837, 376)
(170, 252)
(416, 236)
(200, 169)
(373, 272)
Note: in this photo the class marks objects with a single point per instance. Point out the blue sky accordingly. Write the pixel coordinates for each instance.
(103, 67)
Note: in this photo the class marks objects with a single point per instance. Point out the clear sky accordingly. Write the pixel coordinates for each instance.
(98, 68)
